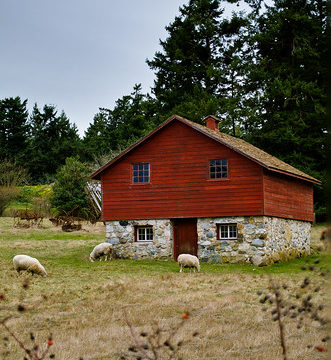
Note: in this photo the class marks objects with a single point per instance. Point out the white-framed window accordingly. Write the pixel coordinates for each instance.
(227, 231)
(144, 233)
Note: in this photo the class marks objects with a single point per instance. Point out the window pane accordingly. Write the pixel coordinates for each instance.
(145, 233)
(140, 173)
(141, 234)
(224, 232)
(228, 231)
(149, 233)
(218, 169)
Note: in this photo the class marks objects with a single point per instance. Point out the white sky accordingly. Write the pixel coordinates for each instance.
(79, 55)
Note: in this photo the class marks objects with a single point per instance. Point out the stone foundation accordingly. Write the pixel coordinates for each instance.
(261, 240)
(121, 235)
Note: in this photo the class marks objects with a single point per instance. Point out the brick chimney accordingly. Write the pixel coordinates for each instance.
(212, 122)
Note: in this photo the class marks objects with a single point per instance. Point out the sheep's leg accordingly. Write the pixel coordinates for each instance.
(181, 268)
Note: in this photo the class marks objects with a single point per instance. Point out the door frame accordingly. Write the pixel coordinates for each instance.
(175, 242)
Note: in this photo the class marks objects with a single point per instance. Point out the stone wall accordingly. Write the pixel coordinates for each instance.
(121, 235)
(261, 240)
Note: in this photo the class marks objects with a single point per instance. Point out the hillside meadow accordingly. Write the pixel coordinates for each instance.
(82, 304)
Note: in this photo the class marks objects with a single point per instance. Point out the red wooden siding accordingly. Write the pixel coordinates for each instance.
(287, 197)
(180, 186)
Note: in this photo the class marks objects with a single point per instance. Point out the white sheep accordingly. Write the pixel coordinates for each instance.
(190, 261)
(28, 263)
(102, 250)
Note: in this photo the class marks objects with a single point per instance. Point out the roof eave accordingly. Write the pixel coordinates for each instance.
(313, 180)
(96, 175)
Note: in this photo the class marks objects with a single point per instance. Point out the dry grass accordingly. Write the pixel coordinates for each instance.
(85, 301)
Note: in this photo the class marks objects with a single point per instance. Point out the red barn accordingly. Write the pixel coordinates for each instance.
(188, 188)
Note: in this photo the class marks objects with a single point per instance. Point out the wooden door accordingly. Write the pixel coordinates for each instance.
(185, 237)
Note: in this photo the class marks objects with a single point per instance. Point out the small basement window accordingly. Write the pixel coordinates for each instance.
(140, 173)
(144, 233)
(218, 169)
(227, 231)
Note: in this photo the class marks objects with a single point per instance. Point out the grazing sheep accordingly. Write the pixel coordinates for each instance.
(102, 250)
(28, 263)
(190, 261)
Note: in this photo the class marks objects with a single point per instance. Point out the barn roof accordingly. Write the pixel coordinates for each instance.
(244, 148)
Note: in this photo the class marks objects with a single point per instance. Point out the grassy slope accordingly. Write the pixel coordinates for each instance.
(85, 301)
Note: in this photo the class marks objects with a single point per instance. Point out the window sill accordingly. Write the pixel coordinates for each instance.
(141, 184)
(224, 179)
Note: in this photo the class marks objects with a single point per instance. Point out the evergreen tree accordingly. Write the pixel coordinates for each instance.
(52, 140)
(13, 129)
(190, 61)
(287, 85)
(199, 71)
(132, 117)
(97, 139)
(69, 195)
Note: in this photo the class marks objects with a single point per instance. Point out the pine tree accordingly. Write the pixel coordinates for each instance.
(13, 129)
(52, 140)
(190, 61)
(287, 84)
(112, 129)
(199, 70)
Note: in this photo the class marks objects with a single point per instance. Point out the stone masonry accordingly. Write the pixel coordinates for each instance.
(121, 235)
(261, 240)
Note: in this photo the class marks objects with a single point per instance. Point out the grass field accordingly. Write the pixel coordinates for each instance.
(82, 303)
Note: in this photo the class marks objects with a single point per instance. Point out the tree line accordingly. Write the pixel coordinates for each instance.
(262, 71)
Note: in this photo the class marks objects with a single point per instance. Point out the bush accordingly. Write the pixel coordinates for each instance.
(69, 195)
(11, 176)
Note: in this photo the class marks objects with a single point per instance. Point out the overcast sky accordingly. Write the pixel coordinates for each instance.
(79, 55)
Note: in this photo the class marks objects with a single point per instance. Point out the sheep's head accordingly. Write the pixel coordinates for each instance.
(43, 272)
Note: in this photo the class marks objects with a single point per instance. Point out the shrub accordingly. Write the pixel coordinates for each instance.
(69, 195)
(11, 176)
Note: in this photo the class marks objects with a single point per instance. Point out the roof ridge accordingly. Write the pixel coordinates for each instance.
(271, 161)
(237, 144)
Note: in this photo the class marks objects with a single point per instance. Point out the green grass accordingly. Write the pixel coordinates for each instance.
(51, 244)
(85, 301)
